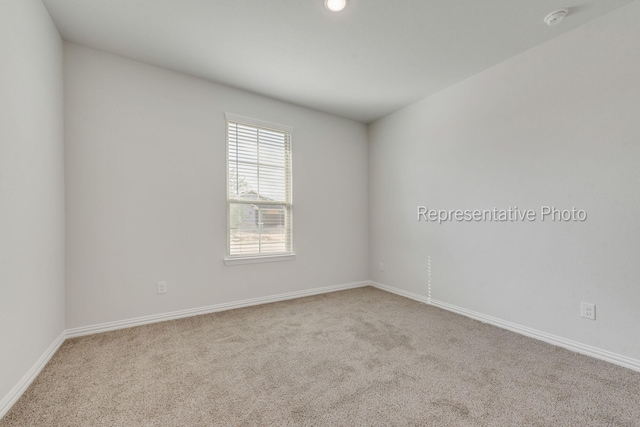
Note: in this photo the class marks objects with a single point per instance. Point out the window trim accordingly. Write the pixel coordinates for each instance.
(267, 257)
(255, 259)
(258, 123)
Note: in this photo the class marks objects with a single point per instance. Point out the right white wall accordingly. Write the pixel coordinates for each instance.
(558, 125)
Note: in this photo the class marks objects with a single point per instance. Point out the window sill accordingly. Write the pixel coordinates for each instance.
(258, 259)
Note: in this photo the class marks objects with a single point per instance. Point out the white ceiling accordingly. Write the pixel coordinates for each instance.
(362, 63)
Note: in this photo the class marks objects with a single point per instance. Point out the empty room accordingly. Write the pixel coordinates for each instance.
(319, 212)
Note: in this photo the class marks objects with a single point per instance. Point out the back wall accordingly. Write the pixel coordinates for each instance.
(146, 192)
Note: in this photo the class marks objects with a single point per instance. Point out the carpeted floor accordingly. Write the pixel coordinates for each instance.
(357, 357)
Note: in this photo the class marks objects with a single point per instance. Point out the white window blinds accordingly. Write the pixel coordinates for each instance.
(259, 188)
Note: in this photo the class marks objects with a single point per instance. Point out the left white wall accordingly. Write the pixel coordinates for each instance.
(31, 189)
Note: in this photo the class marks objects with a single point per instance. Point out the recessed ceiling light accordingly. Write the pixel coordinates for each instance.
(335, 5)
(555, 17)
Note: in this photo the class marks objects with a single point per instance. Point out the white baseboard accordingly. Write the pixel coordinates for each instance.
(12, 397)
(575, 346)
(400, 292)
(14, 394)
(138, 321)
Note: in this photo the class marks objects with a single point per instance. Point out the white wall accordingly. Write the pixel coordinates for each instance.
(556, 125)
(145, 180)
(31, 188)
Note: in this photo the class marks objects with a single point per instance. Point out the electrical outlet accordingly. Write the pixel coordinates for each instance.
(162, 287)
(588, 311)
(381, 267)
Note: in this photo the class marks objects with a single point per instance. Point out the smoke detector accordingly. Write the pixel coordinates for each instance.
(555, 17)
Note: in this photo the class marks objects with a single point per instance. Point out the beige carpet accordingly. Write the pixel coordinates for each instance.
(357, 357)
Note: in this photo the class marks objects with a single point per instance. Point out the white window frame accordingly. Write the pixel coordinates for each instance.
(267, 257)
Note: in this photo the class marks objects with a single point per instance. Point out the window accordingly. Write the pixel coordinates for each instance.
(259, 204)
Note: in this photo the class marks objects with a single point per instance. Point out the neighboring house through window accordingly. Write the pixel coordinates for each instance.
(259, 202)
